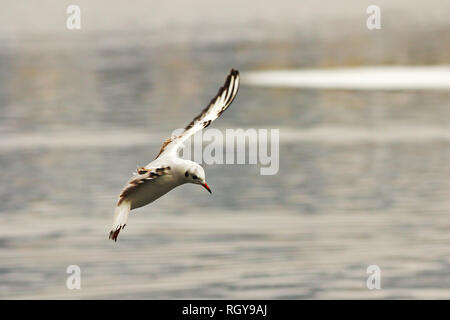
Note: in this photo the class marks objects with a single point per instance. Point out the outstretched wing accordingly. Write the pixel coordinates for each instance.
(215, 108)
(125, 204)
(142, 177)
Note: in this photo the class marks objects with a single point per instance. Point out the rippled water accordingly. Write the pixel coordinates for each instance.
(363, 179)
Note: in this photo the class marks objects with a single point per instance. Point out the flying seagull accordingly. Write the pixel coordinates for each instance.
(168, 170)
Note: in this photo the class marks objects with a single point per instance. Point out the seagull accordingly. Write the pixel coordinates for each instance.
(168, 170)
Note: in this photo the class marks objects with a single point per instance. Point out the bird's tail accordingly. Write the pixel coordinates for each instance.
(120, 219)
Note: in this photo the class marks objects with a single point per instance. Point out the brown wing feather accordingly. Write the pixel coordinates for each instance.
(148, 176)
(165, 143)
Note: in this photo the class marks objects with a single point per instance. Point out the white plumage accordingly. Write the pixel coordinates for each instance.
(168, 170)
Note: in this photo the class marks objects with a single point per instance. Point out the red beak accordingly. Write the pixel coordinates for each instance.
(205, 185)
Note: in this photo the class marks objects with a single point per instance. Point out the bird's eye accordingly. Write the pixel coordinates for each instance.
(194, 177)
(186, 174)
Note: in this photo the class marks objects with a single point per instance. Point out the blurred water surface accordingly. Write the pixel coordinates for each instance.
(363, 179)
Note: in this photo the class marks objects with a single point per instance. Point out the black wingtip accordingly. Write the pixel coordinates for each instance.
(234, 72)
(113, 234)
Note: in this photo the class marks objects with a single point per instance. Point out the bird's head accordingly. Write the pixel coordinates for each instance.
(196, 174)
